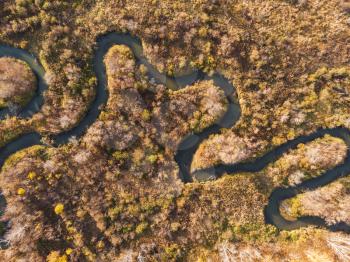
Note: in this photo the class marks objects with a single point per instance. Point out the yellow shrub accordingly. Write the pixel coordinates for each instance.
(31, 175)
(21, 191)
(54, 256)
(59, 208)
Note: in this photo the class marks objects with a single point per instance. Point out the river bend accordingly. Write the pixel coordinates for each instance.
(190, 144)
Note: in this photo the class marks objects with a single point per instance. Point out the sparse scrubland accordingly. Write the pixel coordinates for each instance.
(114, 193)
(330, 202)
(307, 161)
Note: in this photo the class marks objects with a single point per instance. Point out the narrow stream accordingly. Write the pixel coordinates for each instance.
(190, 144)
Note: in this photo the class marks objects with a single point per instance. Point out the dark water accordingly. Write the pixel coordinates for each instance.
(190, 144)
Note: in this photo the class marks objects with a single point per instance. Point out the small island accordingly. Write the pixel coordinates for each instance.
(17, 82)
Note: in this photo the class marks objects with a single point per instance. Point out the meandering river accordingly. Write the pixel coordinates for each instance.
(190, 144)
